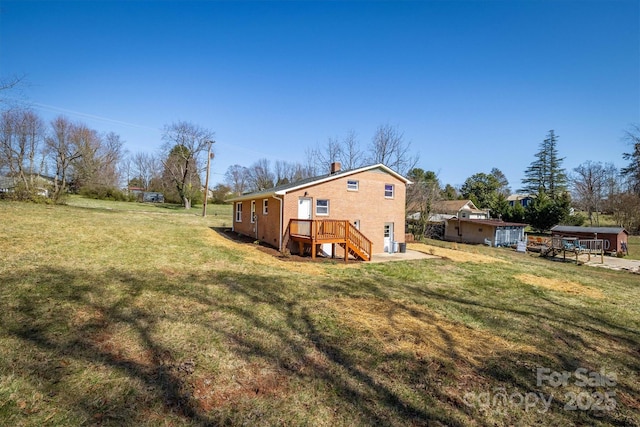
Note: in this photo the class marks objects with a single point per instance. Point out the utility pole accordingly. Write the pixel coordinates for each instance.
(206, 181)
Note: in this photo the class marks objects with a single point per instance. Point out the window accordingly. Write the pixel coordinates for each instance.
(239, 212)
(253, 211)
(387, 230)
(352, 185)
(265, 206)
(322, 207)
(388, 191)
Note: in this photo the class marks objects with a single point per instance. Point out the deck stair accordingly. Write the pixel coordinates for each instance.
(309, 234)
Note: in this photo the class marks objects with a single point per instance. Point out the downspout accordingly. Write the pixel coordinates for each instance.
(281, 220)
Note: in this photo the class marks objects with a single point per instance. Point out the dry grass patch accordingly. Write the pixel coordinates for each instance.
(252, 254)
(413, 328)
(454, 255)
(249, 381)
(560, 285)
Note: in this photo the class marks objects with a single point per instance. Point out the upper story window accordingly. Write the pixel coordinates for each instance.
(322, 207)
(389, 190)
(253, 211)
(265, 206)
(352, 185)
(239, 212)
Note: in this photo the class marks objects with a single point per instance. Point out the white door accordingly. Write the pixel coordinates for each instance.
(388, 236)
(304, 208)
(304, 212)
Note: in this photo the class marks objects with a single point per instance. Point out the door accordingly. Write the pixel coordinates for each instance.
(304, 212)
(388, 237)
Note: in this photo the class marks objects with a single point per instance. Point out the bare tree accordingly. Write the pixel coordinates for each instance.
(85, 167)
(184, 146)
(626, 210)
(147, 168)
(351, 155)
(389, 148)
(237, 178)
(326, 154)
(21, 137)
(421, 198)
(63, 151)
(347, 151)
(111, 153)
(260, 176)
(7, 84)
(589, 182)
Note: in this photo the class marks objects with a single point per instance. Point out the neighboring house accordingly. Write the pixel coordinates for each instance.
(443, 210)
(354, 213)
(7, 184)
(41, 184)
(484, 231)
(616, 239)
(521, 199)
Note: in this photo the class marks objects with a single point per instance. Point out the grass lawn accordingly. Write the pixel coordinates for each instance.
(130, 314)
(634, 247)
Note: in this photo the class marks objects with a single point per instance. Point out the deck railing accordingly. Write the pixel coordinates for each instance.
(360, 240)
(330, 231)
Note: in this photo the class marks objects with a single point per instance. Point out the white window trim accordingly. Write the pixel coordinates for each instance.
(239, 212)
(393, 191)
(357, 185)
(253, 211)
(265, 207)
(328, 204)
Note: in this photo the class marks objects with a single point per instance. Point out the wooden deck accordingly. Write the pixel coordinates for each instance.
(555, 245)
(335, 232)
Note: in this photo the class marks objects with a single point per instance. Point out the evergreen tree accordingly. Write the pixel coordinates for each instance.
(632, 171)
(545, 174)
(543, 213)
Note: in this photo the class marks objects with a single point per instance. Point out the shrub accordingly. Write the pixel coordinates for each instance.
(105, 193)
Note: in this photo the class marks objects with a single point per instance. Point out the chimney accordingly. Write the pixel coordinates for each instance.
(335, 167)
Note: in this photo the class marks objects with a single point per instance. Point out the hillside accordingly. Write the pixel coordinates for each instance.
(127, 314)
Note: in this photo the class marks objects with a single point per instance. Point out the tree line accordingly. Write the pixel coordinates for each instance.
(387, 146)
(73, 158)
(81, 160)
(592, 188)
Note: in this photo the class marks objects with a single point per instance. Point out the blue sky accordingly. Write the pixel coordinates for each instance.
(472, 84)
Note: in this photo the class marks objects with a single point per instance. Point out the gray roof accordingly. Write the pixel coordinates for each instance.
(285, 188)
(575, 229)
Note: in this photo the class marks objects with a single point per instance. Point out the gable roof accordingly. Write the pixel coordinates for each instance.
(287, 188)
(453, 206)
(599, 230)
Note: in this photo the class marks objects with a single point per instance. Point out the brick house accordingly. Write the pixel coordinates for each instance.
(352, 213)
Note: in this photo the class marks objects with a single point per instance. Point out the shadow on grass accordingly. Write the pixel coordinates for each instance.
(261, 319)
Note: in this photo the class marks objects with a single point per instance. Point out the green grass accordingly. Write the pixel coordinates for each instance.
(132, 314)
(634, 247)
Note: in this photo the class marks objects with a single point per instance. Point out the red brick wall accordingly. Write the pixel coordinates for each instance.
(368, 205)
(266, 226)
